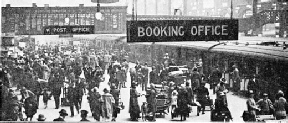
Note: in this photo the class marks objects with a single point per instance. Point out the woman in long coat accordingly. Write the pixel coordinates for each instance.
(107, 106)
(95, 103)
(134, 108)
(30, 106)
(183, 103)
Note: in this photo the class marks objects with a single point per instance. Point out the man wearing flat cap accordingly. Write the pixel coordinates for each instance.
(265, 105)
(84, 115)
(251, 106)
(63, 114)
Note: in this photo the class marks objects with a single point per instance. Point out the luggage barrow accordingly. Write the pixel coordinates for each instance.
(161, 106)
(175, 112)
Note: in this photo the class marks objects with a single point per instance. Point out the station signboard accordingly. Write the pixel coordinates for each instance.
(182, 30)
(60, 30)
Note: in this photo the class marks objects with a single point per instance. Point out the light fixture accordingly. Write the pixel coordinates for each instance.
(98, 15)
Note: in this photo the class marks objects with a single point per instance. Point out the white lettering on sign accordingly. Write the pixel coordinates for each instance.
(208, 29)
(224, 28)
(194, 30)
(161, 31)
(216, 28)
(59, 29)
(141, 32)
(149, 31)
(80, 29)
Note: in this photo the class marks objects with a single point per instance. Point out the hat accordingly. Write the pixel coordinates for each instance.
(63, 112)
(234, 65)
(265, 94)
(84, 112)
(41, 117)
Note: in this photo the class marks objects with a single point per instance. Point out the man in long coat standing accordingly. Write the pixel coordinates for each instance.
(107, 107)
(116, 95)
(95, 103)
(56, 89)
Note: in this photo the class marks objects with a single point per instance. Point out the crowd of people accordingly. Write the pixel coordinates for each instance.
(55, 73)
(76, 74)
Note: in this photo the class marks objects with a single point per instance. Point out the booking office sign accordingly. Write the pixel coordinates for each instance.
(182, 30)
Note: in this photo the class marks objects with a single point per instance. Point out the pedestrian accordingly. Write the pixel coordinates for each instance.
(113, 80)
(182, 102)
(253, 84)
(265, 105)
(236, 79)
(133, 74)
(45, 97)
(107, 106)
(145, 73)
(30, 106)
(219, 89)
(151, 101)
(174, 99)
(72, 99)
(202, 98)
(280, 105)
(153, 76)
(79, 89)
(11, 108)
(95, 103)
(41, 117)
(251, 106)
(26, 93)
(195, 78)
(56, 89)
(190, 93)
(36, 88)
(84, 115)
(116, 95)
(63, 114)
(134, 108)
(215, 77)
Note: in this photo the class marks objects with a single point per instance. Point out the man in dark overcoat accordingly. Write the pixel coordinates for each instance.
(57, 84)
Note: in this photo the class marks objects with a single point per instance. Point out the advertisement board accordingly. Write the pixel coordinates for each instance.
(182, 30)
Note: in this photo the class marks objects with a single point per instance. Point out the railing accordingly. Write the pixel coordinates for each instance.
(172, 17)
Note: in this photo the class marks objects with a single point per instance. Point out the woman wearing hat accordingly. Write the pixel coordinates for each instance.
(280, 105)
(134, 108)
(265, 105)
